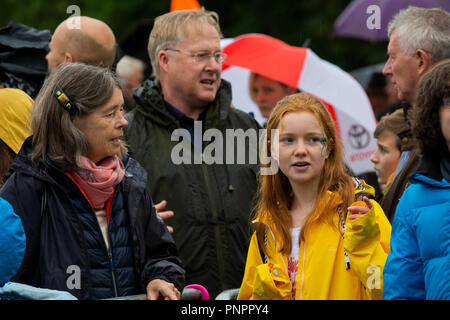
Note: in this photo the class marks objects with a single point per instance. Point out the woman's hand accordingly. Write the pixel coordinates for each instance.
(162, 290)
(164, 214)
(358, 211)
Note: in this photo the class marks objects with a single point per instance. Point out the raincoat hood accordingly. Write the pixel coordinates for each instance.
(15, 109)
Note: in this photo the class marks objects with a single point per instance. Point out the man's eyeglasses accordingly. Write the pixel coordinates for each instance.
(203, 57)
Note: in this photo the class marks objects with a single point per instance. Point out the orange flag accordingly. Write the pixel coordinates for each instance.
(184, 5)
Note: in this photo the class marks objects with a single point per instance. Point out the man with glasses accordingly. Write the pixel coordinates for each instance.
(211, 201)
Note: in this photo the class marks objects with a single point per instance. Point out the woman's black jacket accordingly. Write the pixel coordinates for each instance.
(61, 241)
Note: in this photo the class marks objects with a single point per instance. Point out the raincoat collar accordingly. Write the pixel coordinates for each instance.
(150, 102)
(429, 172)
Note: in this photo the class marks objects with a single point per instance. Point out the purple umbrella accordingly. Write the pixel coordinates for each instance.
(368, 19)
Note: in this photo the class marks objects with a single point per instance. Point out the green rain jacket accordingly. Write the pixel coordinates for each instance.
(211, 200)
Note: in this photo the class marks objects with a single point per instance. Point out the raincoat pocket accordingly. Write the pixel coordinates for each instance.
(271, 283)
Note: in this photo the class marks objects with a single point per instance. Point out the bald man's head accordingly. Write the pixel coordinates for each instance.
(91, 42)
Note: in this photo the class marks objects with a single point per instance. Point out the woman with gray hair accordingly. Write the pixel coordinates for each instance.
(91, 227)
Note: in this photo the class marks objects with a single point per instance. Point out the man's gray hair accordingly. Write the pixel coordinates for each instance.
(169, 29)
(126, 65)
(421, 28)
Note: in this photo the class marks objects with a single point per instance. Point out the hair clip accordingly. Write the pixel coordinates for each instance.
(64, 101)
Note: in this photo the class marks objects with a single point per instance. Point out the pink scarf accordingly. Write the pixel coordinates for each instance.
(98, 181)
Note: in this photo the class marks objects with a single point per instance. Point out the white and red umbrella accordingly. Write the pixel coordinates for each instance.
(302, 68)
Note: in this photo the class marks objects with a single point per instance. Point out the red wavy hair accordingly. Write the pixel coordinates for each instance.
(275, 196)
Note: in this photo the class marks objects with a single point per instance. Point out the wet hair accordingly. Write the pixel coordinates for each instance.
(423, 28)
(275, 195)
(54, 133)
(169, 29)
(433, 87)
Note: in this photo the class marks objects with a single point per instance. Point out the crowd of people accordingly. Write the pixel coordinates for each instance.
(92, 205)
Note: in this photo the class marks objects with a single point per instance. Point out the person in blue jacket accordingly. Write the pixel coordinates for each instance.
(418, 266)
(12, 242)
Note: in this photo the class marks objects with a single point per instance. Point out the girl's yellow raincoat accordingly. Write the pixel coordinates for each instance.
(322, 272)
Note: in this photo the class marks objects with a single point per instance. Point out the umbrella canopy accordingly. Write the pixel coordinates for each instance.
(302, 68)
(368, 19)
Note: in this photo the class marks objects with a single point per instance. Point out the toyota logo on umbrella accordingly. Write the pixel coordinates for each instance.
(358, 136)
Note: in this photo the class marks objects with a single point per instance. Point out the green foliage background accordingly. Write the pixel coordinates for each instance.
(291, 21)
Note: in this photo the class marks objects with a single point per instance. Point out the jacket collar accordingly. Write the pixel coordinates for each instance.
(23, 163)
(429, 172)
(150, 102)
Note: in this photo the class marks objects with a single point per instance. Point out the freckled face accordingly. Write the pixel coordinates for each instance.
(302, 150)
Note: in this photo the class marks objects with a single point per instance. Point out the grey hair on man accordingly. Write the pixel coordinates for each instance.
(126, 65)
(422, 28)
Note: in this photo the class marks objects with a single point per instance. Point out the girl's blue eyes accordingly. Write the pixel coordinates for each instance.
(287, 140)
(312, 140)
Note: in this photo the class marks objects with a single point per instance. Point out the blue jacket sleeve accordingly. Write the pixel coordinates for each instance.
(403, 274)
(12, 242)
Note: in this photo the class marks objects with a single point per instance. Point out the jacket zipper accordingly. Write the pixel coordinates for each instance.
(303, 268)
(217, 236)
(109, 250)
(112, 270)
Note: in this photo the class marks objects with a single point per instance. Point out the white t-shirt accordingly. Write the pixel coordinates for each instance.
(293, 259)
